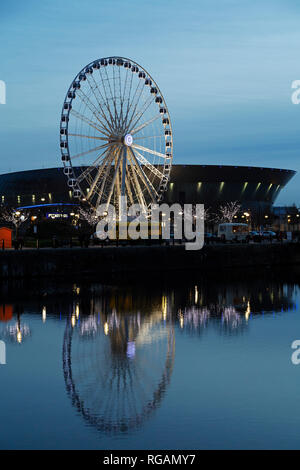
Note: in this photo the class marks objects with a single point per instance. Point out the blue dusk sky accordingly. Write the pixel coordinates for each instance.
(225, 68)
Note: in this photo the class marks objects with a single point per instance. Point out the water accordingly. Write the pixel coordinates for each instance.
(188, 364)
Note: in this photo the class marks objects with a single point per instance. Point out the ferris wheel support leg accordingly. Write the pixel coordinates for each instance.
(123, 172)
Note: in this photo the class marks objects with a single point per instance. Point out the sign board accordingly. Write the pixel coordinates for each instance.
(56, 215)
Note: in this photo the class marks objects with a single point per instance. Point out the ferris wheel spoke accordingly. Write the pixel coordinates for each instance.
(113, 180)
(131, 182)
(87, 121)
(144, 178)
(96, 112)
(139, 88)
(91, 168)
(128, 100)
(117, 184)
(88, 136)
(148, 137)
(95, 182)
(147, 150)
(123, 96)
(128, 189)
(93, 91)
(135, 106)
(138, 115)
(138, 189)
(113, 94)
(106, 174)
(123, 172)
(90, 151)
(118, 190)
(145, 124)
(124, 177)
(114, 83)
(132, 101)
(148, 165)
(120, 108)
(107, 100)
(93, 109)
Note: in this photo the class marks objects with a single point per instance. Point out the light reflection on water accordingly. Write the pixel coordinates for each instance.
(117, 347)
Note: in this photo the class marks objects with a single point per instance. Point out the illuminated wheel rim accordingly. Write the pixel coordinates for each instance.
(115, 390)
(116, 135)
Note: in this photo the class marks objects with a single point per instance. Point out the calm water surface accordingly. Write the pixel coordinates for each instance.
(199, 365)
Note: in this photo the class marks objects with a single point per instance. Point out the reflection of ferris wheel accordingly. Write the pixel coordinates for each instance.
(115, 125)
(116, 379)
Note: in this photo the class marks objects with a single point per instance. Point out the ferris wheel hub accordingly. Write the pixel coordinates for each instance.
(128, 140)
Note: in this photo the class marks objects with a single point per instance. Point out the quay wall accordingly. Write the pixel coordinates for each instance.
(66, 262)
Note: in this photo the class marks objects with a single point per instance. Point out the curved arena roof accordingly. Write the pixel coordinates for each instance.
(208, 184)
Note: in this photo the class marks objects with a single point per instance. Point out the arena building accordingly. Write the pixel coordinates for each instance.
(254, 187)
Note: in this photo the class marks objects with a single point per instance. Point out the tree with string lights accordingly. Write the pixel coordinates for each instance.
(228, 211)
(13, 216)
(88, 215)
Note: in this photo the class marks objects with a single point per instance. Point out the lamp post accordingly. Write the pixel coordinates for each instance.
(17, 215)
(248, 217)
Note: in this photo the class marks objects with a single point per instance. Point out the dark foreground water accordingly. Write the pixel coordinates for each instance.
(186, 364)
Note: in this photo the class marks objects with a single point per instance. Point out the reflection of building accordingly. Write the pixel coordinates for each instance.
(256, 188)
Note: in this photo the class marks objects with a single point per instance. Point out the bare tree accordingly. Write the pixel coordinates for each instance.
(228, 211)
(208, 216)
(13, 216)
(88, 215)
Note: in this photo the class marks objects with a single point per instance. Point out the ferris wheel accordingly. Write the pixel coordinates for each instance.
(116, 135)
